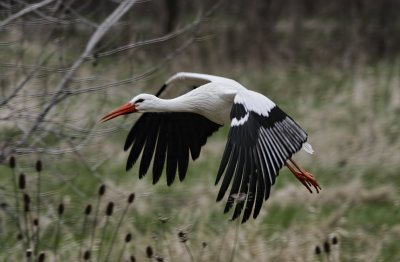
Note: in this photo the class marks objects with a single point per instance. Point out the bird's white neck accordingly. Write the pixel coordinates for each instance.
(210, 101)
(179, 104)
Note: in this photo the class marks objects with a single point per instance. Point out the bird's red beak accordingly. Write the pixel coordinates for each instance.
(123, 110)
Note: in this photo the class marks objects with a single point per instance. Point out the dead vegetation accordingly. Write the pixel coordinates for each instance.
(333, 67)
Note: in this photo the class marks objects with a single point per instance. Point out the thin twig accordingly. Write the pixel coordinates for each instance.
(103, 235)
(189, 252)
(122, 252)
(83, 234)
(58, 229)
(21, 85)
(17, 209)
(236, 240)
(123, 7)
(26, 220)
(24, 11)
(94, 222)
(144, 75)
(116, 230)
(38, 167)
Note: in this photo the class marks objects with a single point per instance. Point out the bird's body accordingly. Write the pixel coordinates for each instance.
(208, 100)
(260, 141)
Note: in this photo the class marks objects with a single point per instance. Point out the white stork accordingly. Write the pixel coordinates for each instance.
(261, 139)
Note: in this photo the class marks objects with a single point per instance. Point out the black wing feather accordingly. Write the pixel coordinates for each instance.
(261, 185)
(167, 138)
(149, 148)
(237, 180)
(133, 132)
(251, 194)
(159, 158)
(172, 152)
(225, 159)
(244, 186)
(256, 150)
(183, 152)
(194, 144)
(136, 148)
(229, 172)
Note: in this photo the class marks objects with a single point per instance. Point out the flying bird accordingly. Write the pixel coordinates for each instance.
(261, 140)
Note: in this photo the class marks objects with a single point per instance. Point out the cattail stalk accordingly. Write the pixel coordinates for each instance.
(41, 257)
(235, 241)
(184, 238)
(27, 202)
(128, 238)
(334, 240)
(335, 251)
(28, 254)
(109, 211)
(17, 208)
(164, 221)
(21, 181)
(86, 255)
(57, 240)
(189, 252)
(101, 192)
(37, 237)
(318, 253)
(221, 246)
(130, 200)
(149, 252)
(327, 250)
(203, 245)
(88, 210)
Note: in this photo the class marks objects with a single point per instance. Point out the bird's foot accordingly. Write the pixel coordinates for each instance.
(304, 177)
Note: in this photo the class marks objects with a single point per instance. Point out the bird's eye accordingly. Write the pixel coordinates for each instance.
(139, 101)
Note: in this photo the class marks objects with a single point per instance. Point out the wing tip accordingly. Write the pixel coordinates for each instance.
(162, 89)
(170, 180)
(244, 219)
(256, 213)
(229, 205)
(127, 146)
(220, 197)
(217, 179)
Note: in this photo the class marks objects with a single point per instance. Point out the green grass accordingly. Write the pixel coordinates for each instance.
(365, 218)
(355, 163)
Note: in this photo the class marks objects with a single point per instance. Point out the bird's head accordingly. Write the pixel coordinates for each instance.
(140, 103)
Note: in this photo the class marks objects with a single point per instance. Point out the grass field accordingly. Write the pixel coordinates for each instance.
(352, 119)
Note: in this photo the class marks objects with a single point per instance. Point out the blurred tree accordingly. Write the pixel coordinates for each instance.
(49, 91)
(171, 15)
(45, 49)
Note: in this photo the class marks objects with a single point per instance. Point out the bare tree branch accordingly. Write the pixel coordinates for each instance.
(163, 38)
(24, 11)
(22, 84)
(136, 77)
(31, 113)
(98, 34)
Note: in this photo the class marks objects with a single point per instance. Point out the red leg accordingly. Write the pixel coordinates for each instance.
(304, 177)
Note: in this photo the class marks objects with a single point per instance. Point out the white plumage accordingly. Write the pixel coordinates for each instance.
(262, 138)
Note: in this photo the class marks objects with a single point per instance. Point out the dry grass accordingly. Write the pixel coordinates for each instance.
(352, 127)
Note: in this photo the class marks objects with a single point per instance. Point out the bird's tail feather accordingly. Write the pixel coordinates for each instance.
(308, 148)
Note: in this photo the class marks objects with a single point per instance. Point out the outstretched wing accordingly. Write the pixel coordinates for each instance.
(184, 82)
(169, 138)
(261, 139)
